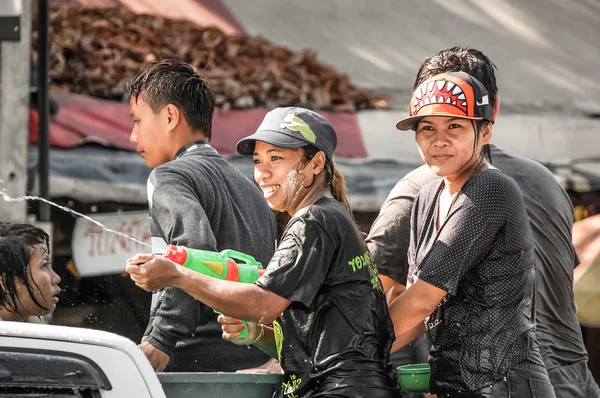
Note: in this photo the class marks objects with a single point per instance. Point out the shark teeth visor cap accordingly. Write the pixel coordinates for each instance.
(454, 94)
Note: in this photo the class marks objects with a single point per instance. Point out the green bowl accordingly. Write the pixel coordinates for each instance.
(414, 377)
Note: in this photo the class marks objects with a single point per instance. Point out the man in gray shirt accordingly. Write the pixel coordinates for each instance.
(550, 213)
(195, 199)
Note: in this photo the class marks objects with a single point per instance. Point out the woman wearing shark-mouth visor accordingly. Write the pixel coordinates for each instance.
(471, 257)
(331, 328)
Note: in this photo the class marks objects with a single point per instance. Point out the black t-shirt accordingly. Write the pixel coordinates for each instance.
(336, 335)
(550, 214)
(482, 256)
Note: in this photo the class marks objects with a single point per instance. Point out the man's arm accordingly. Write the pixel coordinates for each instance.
(389, 238)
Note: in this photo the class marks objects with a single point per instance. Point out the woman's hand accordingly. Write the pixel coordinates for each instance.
(151, 272)
(232, 327)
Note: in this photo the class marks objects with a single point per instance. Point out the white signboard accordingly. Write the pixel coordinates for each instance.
(98, 252)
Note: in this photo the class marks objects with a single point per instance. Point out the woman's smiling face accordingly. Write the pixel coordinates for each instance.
(280, 175)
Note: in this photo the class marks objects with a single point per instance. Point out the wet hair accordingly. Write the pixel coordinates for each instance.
(335, 181)
(461, 59)
(485, 149)
(172, 81)
(473, 62)
(16, 250)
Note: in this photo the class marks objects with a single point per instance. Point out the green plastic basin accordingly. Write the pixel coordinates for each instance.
(219, 385)
(414, 377)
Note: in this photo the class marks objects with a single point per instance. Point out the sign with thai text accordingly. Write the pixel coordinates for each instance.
(98, 252)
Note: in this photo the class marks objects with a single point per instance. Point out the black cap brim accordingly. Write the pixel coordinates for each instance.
(246, 145)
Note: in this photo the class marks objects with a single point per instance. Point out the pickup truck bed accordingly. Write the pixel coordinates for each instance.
(39, 360)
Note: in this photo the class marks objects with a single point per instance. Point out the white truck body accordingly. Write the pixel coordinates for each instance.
(120, 360)
(38, 360)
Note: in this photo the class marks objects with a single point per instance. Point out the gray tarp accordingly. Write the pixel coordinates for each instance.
(93, 174)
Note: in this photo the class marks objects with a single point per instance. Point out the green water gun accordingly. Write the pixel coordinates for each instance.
(228, 265)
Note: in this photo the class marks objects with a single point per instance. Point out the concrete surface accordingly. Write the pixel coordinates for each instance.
(547, 51)
(14, 115)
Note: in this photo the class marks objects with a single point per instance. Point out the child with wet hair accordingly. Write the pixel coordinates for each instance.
(28, 284)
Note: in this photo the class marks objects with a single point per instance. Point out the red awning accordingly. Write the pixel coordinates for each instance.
(203, 13)
(82, 119)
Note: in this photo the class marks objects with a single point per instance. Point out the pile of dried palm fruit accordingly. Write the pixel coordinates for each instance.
(97, 51)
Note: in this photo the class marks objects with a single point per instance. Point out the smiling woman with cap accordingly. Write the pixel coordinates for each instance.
(285, 130)
(331, 328)
(471, 253)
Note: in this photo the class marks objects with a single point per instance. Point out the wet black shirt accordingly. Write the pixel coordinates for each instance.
(336, 335)
(482, 256)
(550, 214)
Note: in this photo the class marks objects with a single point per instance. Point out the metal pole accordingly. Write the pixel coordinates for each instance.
(43, 109)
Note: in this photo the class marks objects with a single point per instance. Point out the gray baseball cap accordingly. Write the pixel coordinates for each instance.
(292, 127)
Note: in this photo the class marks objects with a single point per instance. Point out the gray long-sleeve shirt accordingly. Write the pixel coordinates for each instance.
(201, 201)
